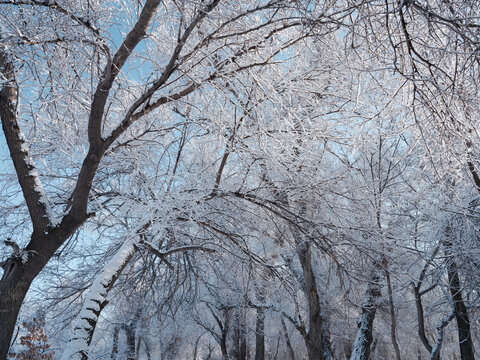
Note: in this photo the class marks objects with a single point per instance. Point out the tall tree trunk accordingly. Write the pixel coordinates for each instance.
(130, 334)
(113, 356)
(393, 318)
(13, 289)
(239, 349)
(467, 351)
(364, 338)
(20, 271)
(260, 335)
(290, 353)
(223, 349)
(260, 321)
(316, 335)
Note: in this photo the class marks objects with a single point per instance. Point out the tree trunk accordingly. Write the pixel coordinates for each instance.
(13, 288)
(315, 337)
(223, 348)
(260, 322)
(467, 351)
(19, 272)
(290, 353)
(393, 319)
(260, 335)
(130, 334)
(115, 343)
(364, 338)
(239, 348)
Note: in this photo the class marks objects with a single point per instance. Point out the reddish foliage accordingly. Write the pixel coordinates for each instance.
(34, 342)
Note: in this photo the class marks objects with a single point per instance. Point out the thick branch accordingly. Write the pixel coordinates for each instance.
(96, 151)
(35, 198)
(96, 301)
(169, 69)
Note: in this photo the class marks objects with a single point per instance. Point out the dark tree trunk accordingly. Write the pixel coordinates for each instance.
(363, 340)
(18, 276)
(260, 322)
(115, 343)
(467, 351)
(13, 288)
(290, 353)
(223, 348)
(315, 338)
(130, 334)
(260, 335)
(239, 347)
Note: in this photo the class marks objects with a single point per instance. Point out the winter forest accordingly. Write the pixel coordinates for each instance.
(240, 179)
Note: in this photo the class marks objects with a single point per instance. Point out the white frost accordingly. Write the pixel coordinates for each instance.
(97, 294)
(38, 185)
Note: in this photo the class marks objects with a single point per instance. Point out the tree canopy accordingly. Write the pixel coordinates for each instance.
(268, 179)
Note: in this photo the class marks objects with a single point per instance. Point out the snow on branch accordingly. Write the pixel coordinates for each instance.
(163, 254)
(35, 197)
(96, 300)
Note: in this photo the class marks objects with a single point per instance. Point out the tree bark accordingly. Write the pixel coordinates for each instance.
(130, 334)
(18, 276)
(364, 338)
(260, 321)
(290, 352)
(260, 335)
(393, 318)
(113, 356)
(315, 337)
(239, 349)
(467, 351)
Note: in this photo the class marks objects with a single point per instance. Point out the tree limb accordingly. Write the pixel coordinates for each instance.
(28, 179)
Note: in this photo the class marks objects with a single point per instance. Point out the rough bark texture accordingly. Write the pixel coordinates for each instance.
(113, 356)
(260, 335)
(290, 352)
(18, 276)
(239, 349)
(314, 338)
(467, 351)
(130, 334)
(364, 338)
(393, 324)
(260, 321)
